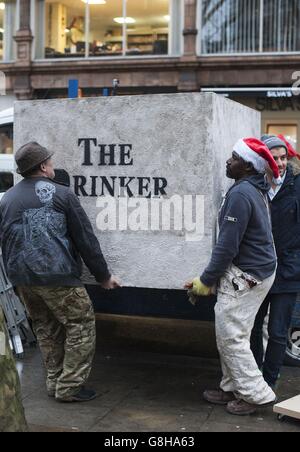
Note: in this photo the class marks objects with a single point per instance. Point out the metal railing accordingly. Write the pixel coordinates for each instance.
(17, 323)
(249, 26)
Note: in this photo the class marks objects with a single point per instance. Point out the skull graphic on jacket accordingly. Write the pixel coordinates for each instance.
(45, 191)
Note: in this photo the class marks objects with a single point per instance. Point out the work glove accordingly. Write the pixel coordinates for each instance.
(199, 289)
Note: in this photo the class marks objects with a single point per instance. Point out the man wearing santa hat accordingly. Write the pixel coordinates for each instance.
(242, 266)
(280, 302)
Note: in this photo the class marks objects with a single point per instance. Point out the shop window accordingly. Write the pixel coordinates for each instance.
(249, 26)
(281, 32)
(105, 33)
(96, 28)
(148, 33)
(230, 26)
(290, 131)
(8, 27)
(64, 28)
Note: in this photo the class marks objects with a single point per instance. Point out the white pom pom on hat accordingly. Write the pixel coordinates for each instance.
(256, 152)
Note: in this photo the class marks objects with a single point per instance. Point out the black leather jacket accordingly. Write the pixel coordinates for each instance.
(44, 233)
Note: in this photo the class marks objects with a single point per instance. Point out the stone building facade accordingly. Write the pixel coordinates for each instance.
(215, 44)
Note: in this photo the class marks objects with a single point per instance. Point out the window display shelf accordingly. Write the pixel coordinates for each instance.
(150, 43)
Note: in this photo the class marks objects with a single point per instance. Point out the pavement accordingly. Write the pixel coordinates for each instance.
(142, 391)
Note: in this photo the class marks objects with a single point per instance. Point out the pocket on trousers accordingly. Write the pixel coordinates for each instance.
(80, 292)
(236, 283)
(226, 286)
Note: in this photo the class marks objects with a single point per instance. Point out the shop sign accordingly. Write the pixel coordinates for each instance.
(278, 104)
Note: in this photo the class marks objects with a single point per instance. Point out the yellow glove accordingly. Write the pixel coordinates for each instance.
(200, 289)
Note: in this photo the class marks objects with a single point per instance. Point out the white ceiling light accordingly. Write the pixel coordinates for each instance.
(2, 5)
(167, 18)
(124, 20)
(95, 2)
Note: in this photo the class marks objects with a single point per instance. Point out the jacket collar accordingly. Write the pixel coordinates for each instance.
(287, 184)
(289, 178)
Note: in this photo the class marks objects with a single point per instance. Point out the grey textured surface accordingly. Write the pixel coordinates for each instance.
(141, 391)
(184, 138)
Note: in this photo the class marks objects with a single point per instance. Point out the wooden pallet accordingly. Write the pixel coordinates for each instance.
(288, 408)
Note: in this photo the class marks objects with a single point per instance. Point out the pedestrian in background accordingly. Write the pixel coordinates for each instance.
(280, 302)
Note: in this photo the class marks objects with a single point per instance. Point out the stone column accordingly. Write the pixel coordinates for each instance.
(24, 38)
(190, 27)
(188, 75)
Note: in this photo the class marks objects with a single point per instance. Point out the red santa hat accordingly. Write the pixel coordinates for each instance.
(291, 151)
(256, 152)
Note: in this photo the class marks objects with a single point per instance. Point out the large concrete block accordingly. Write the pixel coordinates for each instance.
(144, 151)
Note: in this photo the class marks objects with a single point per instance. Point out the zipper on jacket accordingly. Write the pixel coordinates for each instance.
(298, 210)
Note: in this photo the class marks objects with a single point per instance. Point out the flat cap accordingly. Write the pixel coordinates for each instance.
(30, 156)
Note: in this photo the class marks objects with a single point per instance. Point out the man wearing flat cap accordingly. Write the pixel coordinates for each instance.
(281, 300)
(44, 233)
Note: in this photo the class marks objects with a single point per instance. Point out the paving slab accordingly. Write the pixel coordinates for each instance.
(146, 392)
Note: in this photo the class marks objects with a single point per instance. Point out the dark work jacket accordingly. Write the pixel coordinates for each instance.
(44, 233)
(285, 210)
(245, 237)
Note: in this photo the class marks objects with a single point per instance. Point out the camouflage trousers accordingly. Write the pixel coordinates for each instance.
(64, 323)
(12, 417)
